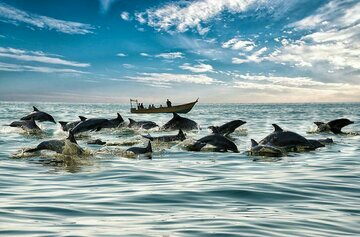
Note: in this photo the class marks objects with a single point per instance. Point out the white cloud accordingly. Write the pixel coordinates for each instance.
(295, 89)
(105, 5)
(36, 56)
(339, 55)
(182, 16)
(125, 16)
(332, 15)
(256, 57)
(166, 79)
(145, 55)
(186, 15)
(334, 41)
(128, 66)
(199, 68)
(172, 55)
(140, 17)
(282, 80)
(121, 55)
(25, 68)
(14, 16)
(238, 44)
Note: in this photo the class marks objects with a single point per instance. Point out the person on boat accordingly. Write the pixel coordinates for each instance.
(168, 103)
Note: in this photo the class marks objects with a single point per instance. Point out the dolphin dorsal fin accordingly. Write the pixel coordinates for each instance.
(35, 109)
(149, 148)
(119, 117)
(277, 128)
(132, 121)
(63, 123)
(82, 118)
(214, 129)
(254, 143)
(176, 115)
(71, 137)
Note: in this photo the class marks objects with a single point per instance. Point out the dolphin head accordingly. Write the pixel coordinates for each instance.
(51, 119)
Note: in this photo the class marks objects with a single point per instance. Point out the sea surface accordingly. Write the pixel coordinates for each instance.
(177, 192)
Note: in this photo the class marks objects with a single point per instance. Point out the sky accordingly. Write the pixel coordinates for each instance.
(222, 51)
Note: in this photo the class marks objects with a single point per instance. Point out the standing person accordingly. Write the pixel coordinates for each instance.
(168, 103)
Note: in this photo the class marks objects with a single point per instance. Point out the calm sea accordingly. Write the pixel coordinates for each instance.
(181, 193)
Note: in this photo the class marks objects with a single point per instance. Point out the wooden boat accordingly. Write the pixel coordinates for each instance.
(181, 109)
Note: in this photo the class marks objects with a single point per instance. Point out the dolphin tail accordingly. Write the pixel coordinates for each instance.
(148, 137)
(277, 128)
(149, 148)
(35, 109)
(82, 118)
(254, 143)
(338, 124)
(71, 137)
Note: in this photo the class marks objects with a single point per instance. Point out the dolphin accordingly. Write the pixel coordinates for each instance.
(96, 124)
(96, 142)
(227, 128)
(334, 126)
(39, 116)
(181, 136)
(141, 124)
(287, 140)
(66, 126)
(320, 142)
(26, 125)
(221, 143)
(67, 146)
(264, 150)
(178, 122)
(141, 150)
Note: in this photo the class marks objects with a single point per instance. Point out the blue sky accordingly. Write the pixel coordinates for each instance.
(219, 50)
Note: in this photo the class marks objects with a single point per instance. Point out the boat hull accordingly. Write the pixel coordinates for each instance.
(180, 109)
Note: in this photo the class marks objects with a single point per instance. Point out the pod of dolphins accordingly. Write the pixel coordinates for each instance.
(278, 143)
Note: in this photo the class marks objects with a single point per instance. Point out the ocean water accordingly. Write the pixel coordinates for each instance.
(177, 192)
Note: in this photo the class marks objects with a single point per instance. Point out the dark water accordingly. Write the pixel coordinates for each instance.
(180, 193)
